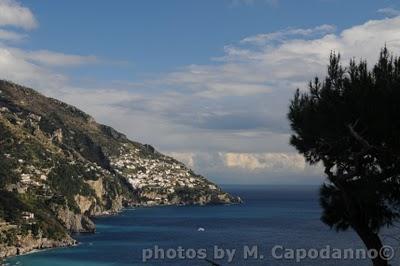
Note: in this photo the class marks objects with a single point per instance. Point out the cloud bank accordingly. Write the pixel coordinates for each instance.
(389, 11)
(14, 14)
(225, 119)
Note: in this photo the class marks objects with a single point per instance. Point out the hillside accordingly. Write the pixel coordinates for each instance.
(59, 168)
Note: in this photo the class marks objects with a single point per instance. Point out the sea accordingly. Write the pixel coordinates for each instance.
(275, 225)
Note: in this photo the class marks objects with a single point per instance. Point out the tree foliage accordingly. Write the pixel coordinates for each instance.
(350, 123)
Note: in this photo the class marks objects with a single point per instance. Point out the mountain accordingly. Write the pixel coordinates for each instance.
(59, 169)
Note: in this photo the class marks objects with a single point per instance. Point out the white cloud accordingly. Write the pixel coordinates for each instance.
(265, 161)
(16, 68)
(203, 119)
(33, 68)
(256, 79)
(13, 13)
(188, 158)
(96, 97)
(220, 118)
(280, 36)
(272, 66)
(389, 11)
(50, 58)
(216, 81)
(30, 68)
(252, 168)
(7, 35)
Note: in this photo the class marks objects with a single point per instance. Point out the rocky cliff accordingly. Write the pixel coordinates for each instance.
(59, 168)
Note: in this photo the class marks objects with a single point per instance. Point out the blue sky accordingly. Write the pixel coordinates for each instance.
(156, 36)
(207, 82)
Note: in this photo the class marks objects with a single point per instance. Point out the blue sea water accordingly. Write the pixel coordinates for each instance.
(270, 216)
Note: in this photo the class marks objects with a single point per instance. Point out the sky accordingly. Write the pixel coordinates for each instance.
(207, 82)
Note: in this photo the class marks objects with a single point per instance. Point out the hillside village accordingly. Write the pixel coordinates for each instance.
(60, 169)
(161, 174)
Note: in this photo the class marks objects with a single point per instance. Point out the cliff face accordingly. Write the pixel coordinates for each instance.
(27, 243)
(58, 168)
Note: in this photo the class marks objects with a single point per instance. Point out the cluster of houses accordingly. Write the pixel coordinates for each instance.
(143, 167)
(30, 176)
(159, 173)
(95, 170)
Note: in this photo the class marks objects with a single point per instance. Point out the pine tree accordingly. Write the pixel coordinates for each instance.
(350, 124)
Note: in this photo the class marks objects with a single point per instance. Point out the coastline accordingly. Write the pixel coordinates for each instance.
(30, 245)
(37, 250)
(69, 241)
(68, 169)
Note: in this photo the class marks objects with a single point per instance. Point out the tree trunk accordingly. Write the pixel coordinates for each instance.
(369, 237)
(372, 242)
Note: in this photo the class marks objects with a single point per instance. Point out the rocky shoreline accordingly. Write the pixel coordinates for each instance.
(30, 243)
(60, 168)
(74, 223)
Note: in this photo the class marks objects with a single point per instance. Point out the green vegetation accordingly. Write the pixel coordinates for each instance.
(11, 206)
(66, 180)
(187, 194)
(58, 167)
